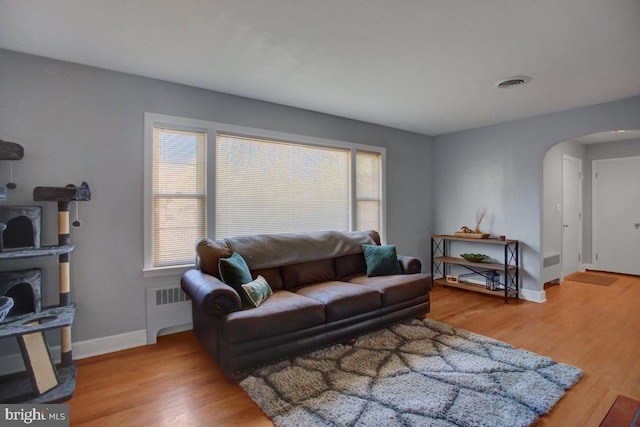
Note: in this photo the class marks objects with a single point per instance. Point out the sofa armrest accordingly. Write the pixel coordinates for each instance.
(211, 295)
(410, 265)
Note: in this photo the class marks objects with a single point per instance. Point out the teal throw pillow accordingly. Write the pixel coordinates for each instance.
(257, 291)
(381, 260)
(234, 271)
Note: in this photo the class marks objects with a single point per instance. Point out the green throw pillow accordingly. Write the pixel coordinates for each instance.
(234, 271)
(381, 260)
(257, 291)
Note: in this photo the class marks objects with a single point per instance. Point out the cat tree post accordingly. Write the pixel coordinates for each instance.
(64, 195)
(64, 279)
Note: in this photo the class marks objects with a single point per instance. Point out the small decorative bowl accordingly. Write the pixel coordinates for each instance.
(474, 257)
(6, 303)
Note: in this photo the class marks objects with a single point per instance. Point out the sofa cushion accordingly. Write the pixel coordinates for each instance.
(381, 260)
(350, 265)
(257, 291)
(271, 275)
(342, 300)
(208, 253)
(305, 273)
(281, 313)
(397, 288)
(234, 271)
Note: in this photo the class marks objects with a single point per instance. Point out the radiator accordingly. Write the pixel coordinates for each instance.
(167, 307)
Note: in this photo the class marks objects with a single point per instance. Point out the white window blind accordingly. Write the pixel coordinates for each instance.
(179, 195)
(368, 190)
(265, 186)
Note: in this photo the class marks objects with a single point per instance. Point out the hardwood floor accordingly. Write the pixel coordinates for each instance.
(174, 383)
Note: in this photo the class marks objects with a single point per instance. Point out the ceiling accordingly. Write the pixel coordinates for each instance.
(428, 66)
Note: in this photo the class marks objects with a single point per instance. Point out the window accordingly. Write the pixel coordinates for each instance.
(267, 186)
(258, 182)
(178, 203)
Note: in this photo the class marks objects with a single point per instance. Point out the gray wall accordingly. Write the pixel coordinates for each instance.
(500, 167)
(80, 123)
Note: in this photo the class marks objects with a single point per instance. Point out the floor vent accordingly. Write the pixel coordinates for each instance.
(167, 308)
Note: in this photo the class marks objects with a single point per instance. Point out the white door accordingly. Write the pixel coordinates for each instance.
(571, 214)
(616, 215)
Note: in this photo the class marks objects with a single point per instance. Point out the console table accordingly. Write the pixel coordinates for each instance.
(508, 268)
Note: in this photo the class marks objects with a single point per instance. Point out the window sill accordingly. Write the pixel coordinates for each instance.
(166, 271)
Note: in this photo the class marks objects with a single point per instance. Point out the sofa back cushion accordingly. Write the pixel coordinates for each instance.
(305, 273)
(374, 236)
(208, 255)
(271, 275)
(348, 266)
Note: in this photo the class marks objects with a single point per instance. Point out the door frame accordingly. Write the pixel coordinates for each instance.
(563, 271)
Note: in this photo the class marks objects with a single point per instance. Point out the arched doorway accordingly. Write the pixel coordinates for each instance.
(588, 150)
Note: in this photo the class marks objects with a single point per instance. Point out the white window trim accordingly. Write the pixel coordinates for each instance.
(212, 129)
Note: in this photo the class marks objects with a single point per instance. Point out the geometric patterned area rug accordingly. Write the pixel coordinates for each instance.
(592, 279)
(414, 373)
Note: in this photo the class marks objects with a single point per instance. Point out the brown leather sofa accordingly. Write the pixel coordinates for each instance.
(321, 295)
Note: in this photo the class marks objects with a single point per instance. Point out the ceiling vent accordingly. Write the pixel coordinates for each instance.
(513, 82)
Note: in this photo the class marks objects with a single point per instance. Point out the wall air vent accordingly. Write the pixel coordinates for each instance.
(513, 82)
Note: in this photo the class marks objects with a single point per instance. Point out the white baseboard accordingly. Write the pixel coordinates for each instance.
(82, 349)
(175, 329)
(585, 267)
(525, 294)
(533, 296)
(98, 346)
